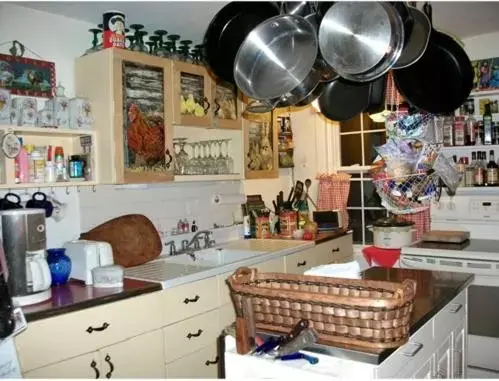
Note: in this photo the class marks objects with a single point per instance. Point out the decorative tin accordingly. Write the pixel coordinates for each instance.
(80, 114)
(287, 220)
(19, 114)
(114, 29)
(60, 105)
(46, 118)
(263, 227)
(28, 117)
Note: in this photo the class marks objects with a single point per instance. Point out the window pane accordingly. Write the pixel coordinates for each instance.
(350, 125)
(371, 197)
(356, 225)
(371, 140)
(351, 149)
(354, 197)
(369, 124)
(369, 217)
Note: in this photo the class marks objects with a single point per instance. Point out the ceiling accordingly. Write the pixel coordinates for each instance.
(190, 18)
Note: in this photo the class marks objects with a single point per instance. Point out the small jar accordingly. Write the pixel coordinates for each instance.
(263, 227)
(76, 167)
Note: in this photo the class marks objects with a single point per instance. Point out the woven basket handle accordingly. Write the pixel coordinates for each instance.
(244, 275)
(408, 290)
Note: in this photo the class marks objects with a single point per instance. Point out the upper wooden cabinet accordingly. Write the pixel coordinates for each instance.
(131, 99)
(199, 100)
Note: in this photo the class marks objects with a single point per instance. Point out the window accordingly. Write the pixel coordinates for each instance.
(358, 139)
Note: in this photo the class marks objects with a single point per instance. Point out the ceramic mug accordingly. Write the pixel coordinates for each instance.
(39, 201)
(60, 209)
(6, 203)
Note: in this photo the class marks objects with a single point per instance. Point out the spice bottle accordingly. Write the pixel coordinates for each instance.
(38, 163)
(194, 227)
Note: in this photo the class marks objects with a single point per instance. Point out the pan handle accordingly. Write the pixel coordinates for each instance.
(428, 11)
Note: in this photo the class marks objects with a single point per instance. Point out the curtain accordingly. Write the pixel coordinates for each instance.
(333, 193)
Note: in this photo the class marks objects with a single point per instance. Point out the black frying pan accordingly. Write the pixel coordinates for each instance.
(341, 100)
(227, 31)
(377, 94)
(442, 79)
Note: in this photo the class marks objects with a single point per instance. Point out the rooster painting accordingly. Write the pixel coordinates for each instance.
(146, 137)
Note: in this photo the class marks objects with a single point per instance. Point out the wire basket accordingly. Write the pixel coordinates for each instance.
(407, 194)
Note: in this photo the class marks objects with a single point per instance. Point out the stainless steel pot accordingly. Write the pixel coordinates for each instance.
(361, 40)
(277, 58)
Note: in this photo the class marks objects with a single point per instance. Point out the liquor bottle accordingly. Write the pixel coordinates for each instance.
(492, 170)
(479, 171)
(459, 131)
(471, 132)
(470, 171)
(487, 125)
(448, 131)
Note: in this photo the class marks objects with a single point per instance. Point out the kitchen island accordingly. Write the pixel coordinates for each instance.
(436, 349)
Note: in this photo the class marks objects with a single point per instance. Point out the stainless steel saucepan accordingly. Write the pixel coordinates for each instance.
(277, 59)
(361, 40)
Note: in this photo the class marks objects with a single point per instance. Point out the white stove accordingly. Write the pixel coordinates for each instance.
(480, 257)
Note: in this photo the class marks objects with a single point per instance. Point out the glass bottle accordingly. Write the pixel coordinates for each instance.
(459, 131)
(470, 171)
(492, 170)
(487, 125)
(448, 131)
(470, 130)
(479, 171)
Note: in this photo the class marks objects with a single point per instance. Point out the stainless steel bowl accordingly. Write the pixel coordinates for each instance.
(276, 57)
(361, 40)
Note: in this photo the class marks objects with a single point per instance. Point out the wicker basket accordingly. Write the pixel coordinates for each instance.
(362, 313)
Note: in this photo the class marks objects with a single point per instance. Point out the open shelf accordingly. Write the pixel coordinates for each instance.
(471, 191)
(469, 148)
(42, 131)
(484, 93)
(49, 185)
(228, 177)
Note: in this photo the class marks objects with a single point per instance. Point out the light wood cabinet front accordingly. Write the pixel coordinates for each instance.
(130, 96)
(201, 364)
(138, 357)
(227, 112)
(84, 366)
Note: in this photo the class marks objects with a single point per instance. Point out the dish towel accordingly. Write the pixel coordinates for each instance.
(350, 270)
(381, 257)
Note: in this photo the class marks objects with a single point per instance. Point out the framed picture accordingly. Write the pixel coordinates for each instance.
(486, 74)
(27, 76)
(261, 146)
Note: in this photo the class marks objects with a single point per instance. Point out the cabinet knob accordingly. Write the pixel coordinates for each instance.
(93, 365)
(90, 329)
(111, 366)
(300, 264)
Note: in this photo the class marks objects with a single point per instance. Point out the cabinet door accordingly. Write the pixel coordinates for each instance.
(226, 106)
(201, 364)
(191, 95)
(443, 359)
(139, 357)
(339, 250)
(459, 353)
(272, 266)
(300, 262)
(84, 366)
(426, 371)
(142, 118)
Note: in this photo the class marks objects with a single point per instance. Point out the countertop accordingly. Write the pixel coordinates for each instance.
(434, 290)
(75, 295)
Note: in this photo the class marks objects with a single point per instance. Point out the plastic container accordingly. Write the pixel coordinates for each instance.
(22, 165)
(38, 165)
(108, 276)
(50, 176)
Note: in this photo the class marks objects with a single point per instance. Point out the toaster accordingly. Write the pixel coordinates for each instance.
(86, 255)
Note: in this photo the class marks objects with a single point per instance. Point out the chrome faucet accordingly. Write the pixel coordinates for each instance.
(173, 250)
(206, 234)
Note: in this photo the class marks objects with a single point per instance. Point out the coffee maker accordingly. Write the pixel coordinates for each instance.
(24, 243)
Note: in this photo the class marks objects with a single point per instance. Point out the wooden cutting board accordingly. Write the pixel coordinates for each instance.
(133, 237)
(449, 236)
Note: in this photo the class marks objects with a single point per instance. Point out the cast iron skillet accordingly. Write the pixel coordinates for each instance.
(341, 100)
(441, 80)
(227, 31)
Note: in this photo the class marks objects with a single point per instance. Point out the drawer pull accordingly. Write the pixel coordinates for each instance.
(194, 300)
(93, 365)
(455, 308)
(111, 366)
(300, 264)
(335, 250)
(197, 334)
(416, 347)
(208, 362)
(98, 329)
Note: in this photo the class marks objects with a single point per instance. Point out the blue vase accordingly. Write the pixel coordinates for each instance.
(60, 266)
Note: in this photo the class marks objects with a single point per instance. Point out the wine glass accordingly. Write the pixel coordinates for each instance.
(195, 160)
(220, 161)
(182, 157)
(228, 158)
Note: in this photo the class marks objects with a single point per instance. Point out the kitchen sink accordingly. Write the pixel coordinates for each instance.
(214, 257)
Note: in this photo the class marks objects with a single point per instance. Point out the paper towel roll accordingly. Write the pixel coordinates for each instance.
(228, 199)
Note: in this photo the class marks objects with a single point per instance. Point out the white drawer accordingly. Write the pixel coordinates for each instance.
(339, 250)
(300, 262)
(191, 335)
(201, 364)
(190, 299)
(411, 355)
(452, 315)
(54, 339)
(272, 266)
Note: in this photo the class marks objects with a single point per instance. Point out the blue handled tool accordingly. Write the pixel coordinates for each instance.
(297, 356)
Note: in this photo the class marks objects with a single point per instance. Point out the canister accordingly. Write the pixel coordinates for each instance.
(287, 220)
(263, 227)
(114, 29)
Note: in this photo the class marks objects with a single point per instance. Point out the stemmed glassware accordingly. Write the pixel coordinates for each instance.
(229, 161)
(138, 43)
(161, 50)
(182, 157)
(95, 41)
(173, 46)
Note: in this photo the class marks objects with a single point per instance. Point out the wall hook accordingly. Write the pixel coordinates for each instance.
(39, 189)
(94, 188)
(67, 191)
(78, 188)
